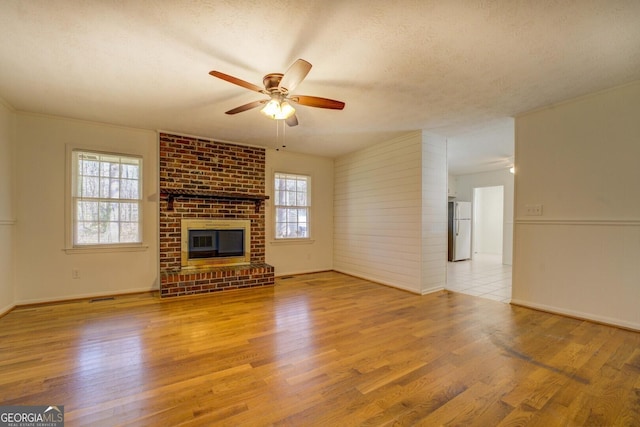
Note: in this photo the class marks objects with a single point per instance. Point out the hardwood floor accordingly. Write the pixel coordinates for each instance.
(320, 349)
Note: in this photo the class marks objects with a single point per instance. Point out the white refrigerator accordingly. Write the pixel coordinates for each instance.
(459, 231)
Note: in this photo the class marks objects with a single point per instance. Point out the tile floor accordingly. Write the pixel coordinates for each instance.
(484, 276)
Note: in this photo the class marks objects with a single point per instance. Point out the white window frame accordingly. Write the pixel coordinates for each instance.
(72, 197)
(277, 206)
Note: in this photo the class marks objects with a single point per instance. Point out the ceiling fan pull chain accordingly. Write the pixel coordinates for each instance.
(284, 133)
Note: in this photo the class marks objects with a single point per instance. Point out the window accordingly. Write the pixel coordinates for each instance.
(106, 193)
(292, 204)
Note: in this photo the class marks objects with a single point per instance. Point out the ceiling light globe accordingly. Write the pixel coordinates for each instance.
(286, 110)
(271, 109)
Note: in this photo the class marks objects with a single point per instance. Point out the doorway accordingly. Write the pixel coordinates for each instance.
(485, 275)
(488, 221)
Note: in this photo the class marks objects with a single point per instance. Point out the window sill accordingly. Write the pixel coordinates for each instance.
(292, 242)
(105, 249)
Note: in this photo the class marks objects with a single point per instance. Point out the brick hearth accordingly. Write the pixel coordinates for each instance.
(195, 169)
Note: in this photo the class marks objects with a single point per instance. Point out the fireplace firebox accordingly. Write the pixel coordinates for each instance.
(212, 242)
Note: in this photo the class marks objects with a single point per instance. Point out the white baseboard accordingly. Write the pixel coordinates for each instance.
(84, 296)
(432, 290)
(578, 314)
(7, 309)
(375, 280)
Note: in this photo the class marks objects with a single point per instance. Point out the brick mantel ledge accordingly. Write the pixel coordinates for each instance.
(171, 194)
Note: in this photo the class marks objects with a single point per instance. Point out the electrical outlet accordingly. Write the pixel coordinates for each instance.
(533, 210)
(75, 273)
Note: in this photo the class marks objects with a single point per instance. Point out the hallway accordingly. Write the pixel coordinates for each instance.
(484, 276)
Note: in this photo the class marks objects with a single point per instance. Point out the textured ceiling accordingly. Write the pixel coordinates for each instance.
(457, 68)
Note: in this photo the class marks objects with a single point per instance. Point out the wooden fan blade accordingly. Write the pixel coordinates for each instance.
(237, 81)
(294, 75)
(292, 121)
(314, 101)
(246, 107)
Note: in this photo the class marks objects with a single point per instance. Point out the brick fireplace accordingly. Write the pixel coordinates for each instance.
(205, 179)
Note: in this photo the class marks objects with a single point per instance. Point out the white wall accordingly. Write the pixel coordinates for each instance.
(302, 257)
(579, 160)
(434, 212)
(464, 187)
(380, 231)
(7, 211)
(452, 189)
(44, 268)
(488, 223)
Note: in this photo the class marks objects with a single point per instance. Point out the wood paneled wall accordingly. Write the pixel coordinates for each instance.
(378, 212)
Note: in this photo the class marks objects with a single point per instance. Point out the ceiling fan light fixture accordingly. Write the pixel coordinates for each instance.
(278, 110)
(279, 87)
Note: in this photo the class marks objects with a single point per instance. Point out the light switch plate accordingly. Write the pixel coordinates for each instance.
(533, 210)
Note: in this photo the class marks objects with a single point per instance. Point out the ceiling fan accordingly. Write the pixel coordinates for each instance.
(279, 87)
